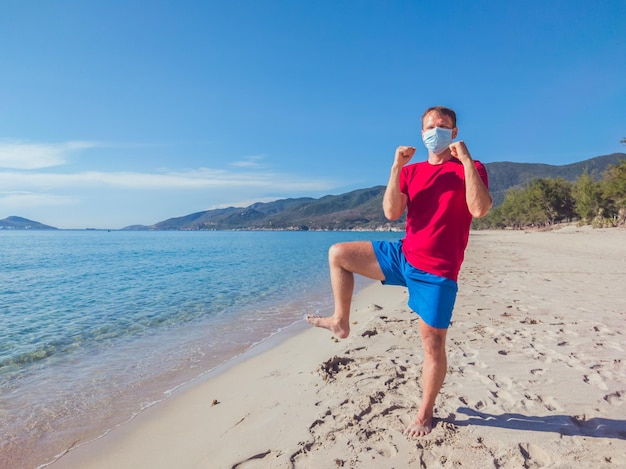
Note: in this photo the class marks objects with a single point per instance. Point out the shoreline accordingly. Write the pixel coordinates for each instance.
(39, 455)
(218, 382)
(256, 349)
(99, 385)
(536, 377)
(192, 379)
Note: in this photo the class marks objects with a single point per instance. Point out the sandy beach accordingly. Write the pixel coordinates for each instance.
(536, 378)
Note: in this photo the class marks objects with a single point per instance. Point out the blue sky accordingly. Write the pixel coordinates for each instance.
(131, 112)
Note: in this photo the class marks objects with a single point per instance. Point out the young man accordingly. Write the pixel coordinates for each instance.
(441, 195)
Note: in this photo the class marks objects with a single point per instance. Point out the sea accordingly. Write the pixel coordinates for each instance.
(96, 326)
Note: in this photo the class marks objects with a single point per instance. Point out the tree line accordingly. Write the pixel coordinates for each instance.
(544, 202)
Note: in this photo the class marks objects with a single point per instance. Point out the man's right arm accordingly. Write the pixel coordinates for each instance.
(395, 201)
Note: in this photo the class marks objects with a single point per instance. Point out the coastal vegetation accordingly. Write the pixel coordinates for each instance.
(548, 201)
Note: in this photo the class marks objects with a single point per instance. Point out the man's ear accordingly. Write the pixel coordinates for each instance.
(455, 131)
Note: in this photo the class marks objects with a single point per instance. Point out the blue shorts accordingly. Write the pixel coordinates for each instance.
(430, 296)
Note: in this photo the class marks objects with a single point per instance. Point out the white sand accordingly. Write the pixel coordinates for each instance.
(537, 377)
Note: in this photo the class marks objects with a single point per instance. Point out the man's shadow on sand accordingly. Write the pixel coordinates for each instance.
(564, 424)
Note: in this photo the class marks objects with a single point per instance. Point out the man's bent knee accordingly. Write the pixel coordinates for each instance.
(336, 253)
(357, 257)
(348, 252)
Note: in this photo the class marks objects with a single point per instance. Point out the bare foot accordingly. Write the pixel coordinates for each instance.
(340, 330)
(418, 429)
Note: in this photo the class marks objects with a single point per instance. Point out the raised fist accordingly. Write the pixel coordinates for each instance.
(459, 151)
(404, 154)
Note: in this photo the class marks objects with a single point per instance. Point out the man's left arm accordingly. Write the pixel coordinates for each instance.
(476, 193)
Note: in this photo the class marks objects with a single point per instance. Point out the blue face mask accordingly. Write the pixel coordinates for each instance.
(437, 139)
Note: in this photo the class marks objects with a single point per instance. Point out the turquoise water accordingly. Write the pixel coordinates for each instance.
(96, 325)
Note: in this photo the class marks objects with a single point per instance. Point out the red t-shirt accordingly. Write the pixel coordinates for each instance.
(438, 220)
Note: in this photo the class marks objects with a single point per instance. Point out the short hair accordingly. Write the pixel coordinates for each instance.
(444, 111)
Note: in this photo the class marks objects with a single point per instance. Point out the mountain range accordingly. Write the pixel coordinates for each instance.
(362, 209)
(356, 210)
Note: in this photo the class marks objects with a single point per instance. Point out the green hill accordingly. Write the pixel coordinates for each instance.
(505, 175)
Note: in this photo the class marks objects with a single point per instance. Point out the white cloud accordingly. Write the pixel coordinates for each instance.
(24, 155)
(10, 201)
(31, 187)
(247, 173)
(193, 179)
(249, 162)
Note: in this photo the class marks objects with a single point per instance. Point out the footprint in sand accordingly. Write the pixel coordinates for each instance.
(616, 397)
(594, 379)
(534, 456)
(251, 461)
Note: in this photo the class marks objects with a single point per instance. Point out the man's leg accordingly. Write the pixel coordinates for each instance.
(345, 260)
(433, 375)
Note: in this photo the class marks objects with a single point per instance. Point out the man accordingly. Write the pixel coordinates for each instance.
(441, 195)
